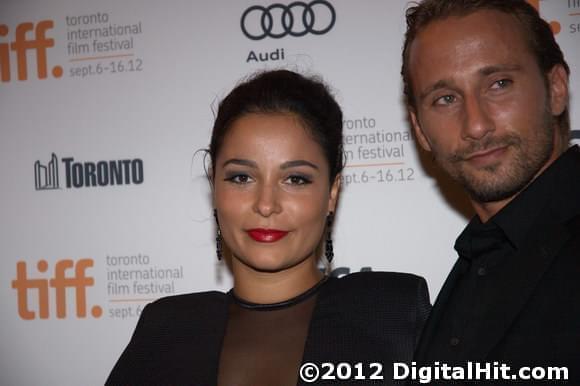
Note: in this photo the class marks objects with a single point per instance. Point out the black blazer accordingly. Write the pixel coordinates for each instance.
(533, 317)
(363, 317)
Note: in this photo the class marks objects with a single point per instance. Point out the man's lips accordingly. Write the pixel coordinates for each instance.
(266, 235)
(486, 156)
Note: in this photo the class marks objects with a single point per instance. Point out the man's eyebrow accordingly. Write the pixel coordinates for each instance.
(485, 71)
(240, 161)
(300, 162)
(488, 70)
(442, 83)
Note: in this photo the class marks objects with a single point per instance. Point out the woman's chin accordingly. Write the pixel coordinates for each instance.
(269, 263)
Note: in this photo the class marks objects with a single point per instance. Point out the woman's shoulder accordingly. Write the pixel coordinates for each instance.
(194, 298)
(373, 290)
(172, 333)
(186, 306)
(371, 315)
(398, 282)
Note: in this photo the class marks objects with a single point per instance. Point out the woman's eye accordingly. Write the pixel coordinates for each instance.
(444, 100)
(239, 179)
(298, 180)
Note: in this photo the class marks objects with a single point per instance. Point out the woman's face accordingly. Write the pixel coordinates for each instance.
(272, 191)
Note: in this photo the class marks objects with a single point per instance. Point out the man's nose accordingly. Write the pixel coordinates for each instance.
(477, 120)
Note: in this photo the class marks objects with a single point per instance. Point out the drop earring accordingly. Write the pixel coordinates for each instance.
(328, 250)
(218, 237)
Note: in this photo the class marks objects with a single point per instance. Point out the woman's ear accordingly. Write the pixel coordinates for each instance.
(334, 192)
(209, 173)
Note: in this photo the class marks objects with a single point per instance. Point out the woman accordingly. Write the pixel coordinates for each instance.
(276, 158)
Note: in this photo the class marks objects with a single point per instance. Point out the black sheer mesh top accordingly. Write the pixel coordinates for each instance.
(264, 343)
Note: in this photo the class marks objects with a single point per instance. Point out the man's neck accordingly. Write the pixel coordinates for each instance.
(486, 210)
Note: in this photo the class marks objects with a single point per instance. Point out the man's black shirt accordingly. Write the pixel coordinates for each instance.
(485, 248)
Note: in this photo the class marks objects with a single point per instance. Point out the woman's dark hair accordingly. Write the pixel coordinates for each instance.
(283, 91)
(537, 31)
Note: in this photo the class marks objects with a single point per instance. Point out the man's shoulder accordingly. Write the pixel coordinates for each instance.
(568, 165)
(572, 244)
(573, 224)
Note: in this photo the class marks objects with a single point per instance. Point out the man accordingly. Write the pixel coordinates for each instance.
(487, 94)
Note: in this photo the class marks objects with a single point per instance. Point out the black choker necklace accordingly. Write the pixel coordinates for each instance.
(283, 304)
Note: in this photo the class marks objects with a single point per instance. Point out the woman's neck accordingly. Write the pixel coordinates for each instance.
(273, 287)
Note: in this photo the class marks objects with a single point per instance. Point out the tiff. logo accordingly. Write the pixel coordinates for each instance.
(23, 43)
(78, 281)
(46, 177)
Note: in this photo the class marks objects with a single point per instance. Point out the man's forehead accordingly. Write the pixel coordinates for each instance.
(490, 23)
(461, 39)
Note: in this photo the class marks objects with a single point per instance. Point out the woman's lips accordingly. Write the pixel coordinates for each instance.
(266, 235)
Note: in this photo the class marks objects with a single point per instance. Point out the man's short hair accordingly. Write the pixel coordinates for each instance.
(537, 31)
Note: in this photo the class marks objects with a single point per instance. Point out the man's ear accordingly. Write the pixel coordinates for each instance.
(423, 141)
(558, 84)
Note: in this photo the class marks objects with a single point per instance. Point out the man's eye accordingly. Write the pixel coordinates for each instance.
(502, 83)
(298, 180)
(444, 100)
(239, 179)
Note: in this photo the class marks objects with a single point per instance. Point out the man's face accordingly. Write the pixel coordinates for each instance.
(483, 107)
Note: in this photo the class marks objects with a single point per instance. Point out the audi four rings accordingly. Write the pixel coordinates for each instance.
(286, 24)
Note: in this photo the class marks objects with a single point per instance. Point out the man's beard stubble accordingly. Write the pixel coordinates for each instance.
(502, 181)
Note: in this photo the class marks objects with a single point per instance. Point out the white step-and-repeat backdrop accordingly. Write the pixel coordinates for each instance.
(104, 201)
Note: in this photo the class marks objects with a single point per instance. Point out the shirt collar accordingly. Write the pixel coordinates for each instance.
(515, 220)
(478, 238)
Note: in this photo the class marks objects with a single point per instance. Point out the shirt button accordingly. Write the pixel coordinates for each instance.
(481, 271)
(454, 341)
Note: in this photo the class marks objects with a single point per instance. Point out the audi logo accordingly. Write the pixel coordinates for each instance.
(295, 19)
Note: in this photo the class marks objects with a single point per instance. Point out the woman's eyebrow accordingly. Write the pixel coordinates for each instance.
(240, 161)
(300, 162)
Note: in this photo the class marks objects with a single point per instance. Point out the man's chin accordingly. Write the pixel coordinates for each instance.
(494, 188)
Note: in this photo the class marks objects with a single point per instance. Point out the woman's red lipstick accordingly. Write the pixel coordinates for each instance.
(266, 235)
